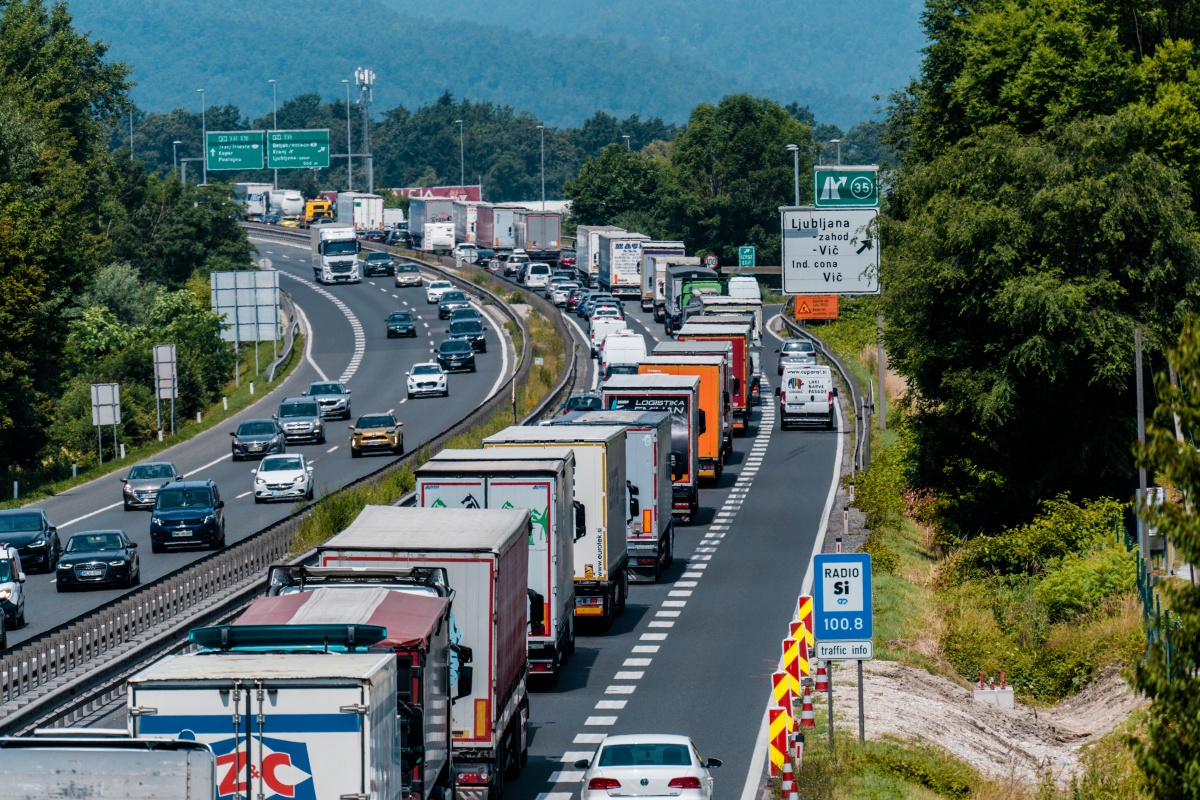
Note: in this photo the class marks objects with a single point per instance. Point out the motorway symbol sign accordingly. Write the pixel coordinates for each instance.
(846, 187)
(234, 150)
(298, 149)
(745, 256)
(829, 251)
(710, 261)
(842, 598)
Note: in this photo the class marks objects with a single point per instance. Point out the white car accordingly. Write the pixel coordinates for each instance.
(427, 378)
(283, 477)
(435, 290)
(557, 290)
(537, 275)
(647, 765)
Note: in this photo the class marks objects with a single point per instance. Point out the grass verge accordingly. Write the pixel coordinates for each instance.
(238, 397)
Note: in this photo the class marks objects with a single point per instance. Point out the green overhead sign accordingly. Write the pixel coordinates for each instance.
(846, 187)
(233, 150)
(298, 149)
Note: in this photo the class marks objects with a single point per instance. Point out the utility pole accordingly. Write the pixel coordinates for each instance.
(131, 134)
(1143, 539)
(349, 144)
(542, 128)
(203, 141)
(462, 163)
(364, 79)
(794, 149)
(274, 123)
(881, 368)
(175, 155)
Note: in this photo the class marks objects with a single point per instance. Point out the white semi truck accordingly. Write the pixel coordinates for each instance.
(361, 210)
(335, 254)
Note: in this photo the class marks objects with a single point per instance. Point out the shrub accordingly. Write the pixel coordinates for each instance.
(1079, 584)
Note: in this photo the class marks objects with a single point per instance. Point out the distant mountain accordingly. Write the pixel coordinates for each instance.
(576, 57)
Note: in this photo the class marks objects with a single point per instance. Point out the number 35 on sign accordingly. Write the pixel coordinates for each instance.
(842, 597)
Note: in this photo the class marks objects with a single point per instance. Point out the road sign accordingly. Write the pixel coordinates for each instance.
(842, 598)
(248, 303)
(829, 251)
(710, 261)
(298, 149)
(845, 651)
(106, 404)
(234, 150)
(816, 306)
(166, 378)
(745, 256)
(846, 187)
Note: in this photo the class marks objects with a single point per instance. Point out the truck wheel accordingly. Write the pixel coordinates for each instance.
(622, 595)
(670, 547)
(570, 637)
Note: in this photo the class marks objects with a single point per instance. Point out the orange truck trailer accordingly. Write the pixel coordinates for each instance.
(739, 335)
(713, 398)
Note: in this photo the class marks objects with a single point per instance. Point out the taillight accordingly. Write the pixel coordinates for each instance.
(605, 783)
(684, 783)
(831, 397)
(783, 397)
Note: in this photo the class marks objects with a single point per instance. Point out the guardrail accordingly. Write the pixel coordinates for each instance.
(57, 676)
(289, 336)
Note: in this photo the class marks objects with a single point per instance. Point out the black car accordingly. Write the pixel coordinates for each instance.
(483, 256)
(470, 330)
(466, 313)
(35, 539)
(377, 263)
(373, 236)
(398, 238)
(451, 301)
(456, 355)
(98, 558)
(401, 323)
(189, 513)
(256, 438)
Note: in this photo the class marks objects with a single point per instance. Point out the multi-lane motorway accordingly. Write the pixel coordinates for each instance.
(346, 340)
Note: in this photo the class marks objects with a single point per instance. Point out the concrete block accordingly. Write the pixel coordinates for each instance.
(997, 697)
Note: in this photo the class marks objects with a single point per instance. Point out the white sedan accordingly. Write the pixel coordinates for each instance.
(283, 477)
(647, 765)
(427, 379)
(435, 290)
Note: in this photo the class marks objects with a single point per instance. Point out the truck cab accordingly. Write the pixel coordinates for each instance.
(335, 254)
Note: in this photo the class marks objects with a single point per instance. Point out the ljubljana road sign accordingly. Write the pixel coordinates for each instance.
(829, 251)
(298, 149)
(234, 150)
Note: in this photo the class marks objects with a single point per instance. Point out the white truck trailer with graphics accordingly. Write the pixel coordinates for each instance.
(335, 254)
(587, 252)
(301, 725)
(541, 480)
(485, 554)
(650, 525)
(105, 767)
(254, 198)
(677, 395)
(651, 251)
(601, 555)
(620, 262)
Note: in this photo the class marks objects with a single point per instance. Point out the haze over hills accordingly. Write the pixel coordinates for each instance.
(571, 59)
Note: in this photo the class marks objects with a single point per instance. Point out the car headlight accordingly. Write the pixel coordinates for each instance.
(156, 521)
(38, 542)
(298, 479)
(259, 481)
(5, 594)
(208, 518)
(127, 489)
(116, 563)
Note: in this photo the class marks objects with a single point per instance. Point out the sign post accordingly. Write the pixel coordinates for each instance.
(842, 615)
(233, 150)
(298, 149)
(106, 410)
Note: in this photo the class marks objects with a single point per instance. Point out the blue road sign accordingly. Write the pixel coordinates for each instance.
(842, 597)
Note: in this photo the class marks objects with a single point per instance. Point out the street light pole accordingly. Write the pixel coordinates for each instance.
(838, 142)
(175, 156)
(628, 148)
(274, 120)
(365, 79)
(462, 162)
(203, 141)
(542, 128)
(131, 134)
(794, 149)
(349, 146)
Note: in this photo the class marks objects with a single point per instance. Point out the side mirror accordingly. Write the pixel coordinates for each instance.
(835, 391)
(253, 472)
(582, 763)
(178, 477)
(351, 427)
(713, 763)
(703, 426)
(133, 545)
(304, 393)
(465, 676)
(777, 391)
(126, 480)
(20, 577)
(776, 349)
(537, 608)
(220, 504)
(233, 433)
(677, 466)
(737, 385)
(349, 391)
(580, 520)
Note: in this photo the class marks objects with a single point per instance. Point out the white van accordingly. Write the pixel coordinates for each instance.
(623, 350)
(537, 275)
(806, 397)
(745, 288)
(601, 328)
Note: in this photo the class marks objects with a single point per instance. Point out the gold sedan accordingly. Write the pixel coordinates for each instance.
(376, 433)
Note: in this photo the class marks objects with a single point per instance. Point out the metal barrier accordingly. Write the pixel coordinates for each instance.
(289, 336)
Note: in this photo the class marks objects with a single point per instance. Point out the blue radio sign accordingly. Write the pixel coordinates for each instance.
(842, 597)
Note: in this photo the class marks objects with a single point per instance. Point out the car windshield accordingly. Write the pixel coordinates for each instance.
(6, 570)
(147, 472)
(375, 421)
(455, 346)
(407, 268)
(341, 248)
(90, 542)
(280, 464)
(486, 253)
(260, 428)
(448, 297)
(644, 755)
(378, 257)
(400, 316)
(13, 523)
(174, 499)
(539, 269)
(426, 369)
(584, 403)
(325, 388)
(798, 347)
(466, 326)
(298, 410)
(440, 285)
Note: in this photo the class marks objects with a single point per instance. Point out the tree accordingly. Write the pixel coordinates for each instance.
(615, 183)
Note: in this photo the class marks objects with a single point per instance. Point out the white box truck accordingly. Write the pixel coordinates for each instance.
(651, 251)
(619, 262)
(335, 254)
(254, 198)
(438, 237)
(662, 280)
(651, 524)
(504, 227)
(601, 556)
(363, 211)
(104, 767)
(587, 252)
(541, 480)
(303, 726)
(485, 554)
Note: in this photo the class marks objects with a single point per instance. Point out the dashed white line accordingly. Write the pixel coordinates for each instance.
(619, 688)
(645, 648)
(588, 738)
(653, 637)
(611, 705)
(628, 676)
(243, 494)
(637, 662)
(335, 447)
(600, 721)
(360, 339)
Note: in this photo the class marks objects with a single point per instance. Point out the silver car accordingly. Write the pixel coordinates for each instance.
(141, 487)
(797, 352)
(333, 397)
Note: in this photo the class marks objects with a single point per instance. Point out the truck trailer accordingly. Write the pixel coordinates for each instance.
(539, 233)
(660, 265)
(651, 251)
(722, 350)
(423, 210)
(335, 249)
(620, 262)
(587, 252)
(714, 398)
(254, 198)
(739, 335)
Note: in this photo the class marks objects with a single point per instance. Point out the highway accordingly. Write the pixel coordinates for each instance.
(346, 340)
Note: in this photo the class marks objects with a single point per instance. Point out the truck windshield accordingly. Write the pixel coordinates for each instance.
(341, 248)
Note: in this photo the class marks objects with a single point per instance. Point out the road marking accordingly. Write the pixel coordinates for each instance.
(618, 688)
(611, 705)
(628, 676)
(653, 637)
(697, 566)
(637, 662)
(688, 583)
(645, 648)
(589, 738)
(679, 593)
(503, 353)
(336, 446)
(308, 342)
(600, 721)
(243, 494)
(360, 339)
(566, 776)
(571, 756)
(658, 623)
(402, 402)
(212, 463)
(85, 516)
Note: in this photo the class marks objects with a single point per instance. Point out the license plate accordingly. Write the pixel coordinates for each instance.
(178, 534)
(90, 573)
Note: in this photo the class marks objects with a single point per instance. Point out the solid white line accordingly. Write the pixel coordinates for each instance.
(308, 342)
(587, 344)
(503, 352)
(243, 494)
(759, 758)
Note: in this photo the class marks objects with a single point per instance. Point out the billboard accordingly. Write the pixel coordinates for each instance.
(473, 193)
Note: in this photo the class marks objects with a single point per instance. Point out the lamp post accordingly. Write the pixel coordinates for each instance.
(349, 147)
(274, 120)
(365, 79)
(628, 149)
(203, 142)
(542, 128)
(131, 134)
(794, 149)
(462, 162)
(175, 156)
(838, 142)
